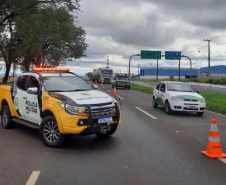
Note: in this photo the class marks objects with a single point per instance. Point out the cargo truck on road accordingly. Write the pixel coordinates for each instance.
(104, 75)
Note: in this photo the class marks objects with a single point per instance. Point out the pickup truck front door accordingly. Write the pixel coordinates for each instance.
(32, 106)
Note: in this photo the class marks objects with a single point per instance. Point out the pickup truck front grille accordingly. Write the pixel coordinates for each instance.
(102, 109)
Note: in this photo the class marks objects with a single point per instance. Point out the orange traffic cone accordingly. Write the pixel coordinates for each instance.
(102, 85)
(214, 149)
(114, 92)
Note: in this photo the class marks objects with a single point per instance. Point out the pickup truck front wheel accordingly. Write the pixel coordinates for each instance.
(49, 132)
(6, 118)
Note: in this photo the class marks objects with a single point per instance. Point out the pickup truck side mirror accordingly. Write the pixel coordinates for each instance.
(95, 86)
(32, 90)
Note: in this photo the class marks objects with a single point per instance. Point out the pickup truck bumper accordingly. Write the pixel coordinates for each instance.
(86, 125)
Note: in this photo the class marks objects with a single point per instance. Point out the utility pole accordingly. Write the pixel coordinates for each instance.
(157, 70)
(179, 70)
(208, 40)
(107, 62)
(138, 65)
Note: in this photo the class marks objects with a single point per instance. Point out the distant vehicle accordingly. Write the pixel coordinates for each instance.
(89, 76)
(121, 80)
(104, 75)
(178, 96)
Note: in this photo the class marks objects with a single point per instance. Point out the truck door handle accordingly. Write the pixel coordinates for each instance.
(25, 98)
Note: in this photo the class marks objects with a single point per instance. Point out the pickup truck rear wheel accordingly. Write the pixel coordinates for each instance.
(50, 134)
(6, 117)
(108, 133)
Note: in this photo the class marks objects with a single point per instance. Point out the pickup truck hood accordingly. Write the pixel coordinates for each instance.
(189, 95)
(84, 97)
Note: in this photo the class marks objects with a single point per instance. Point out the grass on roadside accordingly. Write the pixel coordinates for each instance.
(215, 102)
(148, 90)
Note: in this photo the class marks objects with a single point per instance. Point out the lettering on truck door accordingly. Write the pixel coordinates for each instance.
(31, 105)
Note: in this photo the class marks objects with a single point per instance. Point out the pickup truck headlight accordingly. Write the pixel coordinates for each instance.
(177, 98)
(202, 100)
(72, 109)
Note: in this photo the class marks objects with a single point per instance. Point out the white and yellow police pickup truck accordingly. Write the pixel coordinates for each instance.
(58, 103)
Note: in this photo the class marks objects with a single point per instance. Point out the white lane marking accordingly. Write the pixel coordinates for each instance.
(33, 178)
(223, 160)
(109, 91)
(216, 113)
(153, 117)
(120, 97)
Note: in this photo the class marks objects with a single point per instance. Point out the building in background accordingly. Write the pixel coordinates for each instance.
(166, 72)
(215, 71)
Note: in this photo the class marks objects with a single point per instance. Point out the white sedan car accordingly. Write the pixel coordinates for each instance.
(178, 96)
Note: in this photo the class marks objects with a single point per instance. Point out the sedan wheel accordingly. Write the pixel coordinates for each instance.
(167, 108)
(154, 104)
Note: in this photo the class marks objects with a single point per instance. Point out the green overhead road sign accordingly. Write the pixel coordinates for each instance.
(150, 54)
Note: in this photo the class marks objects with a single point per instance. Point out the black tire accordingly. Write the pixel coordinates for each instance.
(200, 113)
(129, 88)
(108, 133)
(112, 86)
(6, 117)
(50, 134)
(167, 108)
(154, 104)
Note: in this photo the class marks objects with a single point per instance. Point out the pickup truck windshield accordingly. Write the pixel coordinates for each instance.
(64, 84)
(121, 78)
(179, 87)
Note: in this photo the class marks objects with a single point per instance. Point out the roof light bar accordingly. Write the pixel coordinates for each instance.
(40, 69)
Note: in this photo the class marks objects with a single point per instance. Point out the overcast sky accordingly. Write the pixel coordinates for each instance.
(121, 28)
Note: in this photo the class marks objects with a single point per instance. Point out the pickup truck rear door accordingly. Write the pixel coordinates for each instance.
(19, 95)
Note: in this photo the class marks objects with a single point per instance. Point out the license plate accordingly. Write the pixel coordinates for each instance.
(192, 107)
(105, 119)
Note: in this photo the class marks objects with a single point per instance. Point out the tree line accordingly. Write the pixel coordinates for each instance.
(39, 32)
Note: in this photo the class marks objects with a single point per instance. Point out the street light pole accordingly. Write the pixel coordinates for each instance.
(129, 63)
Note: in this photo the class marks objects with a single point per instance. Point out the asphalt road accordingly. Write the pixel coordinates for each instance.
(161, 150)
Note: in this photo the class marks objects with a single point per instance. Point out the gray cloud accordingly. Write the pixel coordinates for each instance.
(121, 28)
